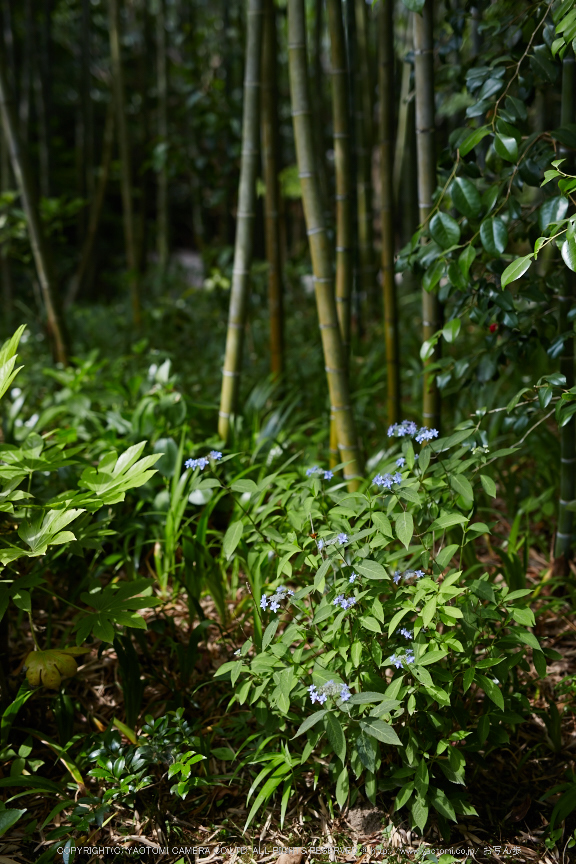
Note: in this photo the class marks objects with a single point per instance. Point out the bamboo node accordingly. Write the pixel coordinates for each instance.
(311, 231)
(228, 374)
(328, 326)
(224, 414)
(339, 407)
(330, 370)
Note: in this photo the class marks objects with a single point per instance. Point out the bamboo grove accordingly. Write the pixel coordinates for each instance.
(399, 124)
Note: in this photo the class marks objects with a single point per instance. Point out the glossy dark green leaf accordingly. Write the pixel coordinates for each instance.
(444, 230)
(506, 147)
(494, 236)
(466, 197)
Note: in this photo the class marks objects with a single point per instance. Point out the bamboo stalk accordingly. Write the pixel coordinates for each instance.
(387, 213)
(402, 129)
(245, 220)
(319, 247)
(343, 169)
(364, 144)
(270, 160)
(425, 146)
(22, 174)
(565, 531)
(162, 188)
(95, 207)
(125, 159)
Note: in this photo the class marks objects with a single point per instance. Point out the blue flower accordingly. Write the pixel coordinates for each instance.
(419, 573)
(310, 471)
(353, 577)
(342, 538)
(426, 434)
(215, 454)
(274, 605)
(397, 478)
(263, 602)
(328, 475)
(345, 693)
(409, 656)
(320, 545)
(321, 698)
(399, 430)
(396, 661)
(383, 480)
(397, 577)
(196, 463)
(347, 604)
(406, 633)
(400, 462)
(338, 600)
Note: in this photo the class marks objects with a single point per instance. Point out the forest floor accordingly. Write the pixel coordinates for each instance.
(507, 790)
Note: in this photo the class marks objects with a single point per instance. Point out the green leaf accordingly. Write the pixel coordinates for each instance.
(414, 5)
(421, 778)
(370, 623)
(568, 251)
(467, 678)
(403, 796)
(366, 750)
(466, 197)
(523, 616)
(442, 804)
(444, 557)
(335, 735)
(342, 787)
(232, 538)
(466, 259)
(494, 236)
(447, 520)
(404, 528)
(115, 605)
(433, 275)
(382, 523)
(269, 633)
(461, 486)
(506, 147)
(244, 486)
(371, 569)
(8, 818)
(491, 689)
(115, 474)
(420, 812)
(474, 139)
(428, 611)
(488, 485)
(516, 269)
(449, 332)
(444, 230)
(380, 730)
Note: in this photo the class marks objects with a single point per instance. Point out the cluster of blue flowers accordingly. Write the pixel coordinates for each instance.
(203, 461)
(386, 481)
(328, 475)
(398, 661)
(273, 603)
(408, 427)
(406, 633)
(406, 575)
(328, 689)
(344, 603)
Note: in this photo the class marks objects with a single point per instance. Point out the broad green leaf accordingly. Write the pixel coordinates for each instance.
(466, 197)
(420, 812)
(269, 633)
(382, 523)
(444, 230)
(446, 555)
(552, 210)
(428, 611)
(466, 259)
(474, 139)
(491, 689)
(506, 147)
(397, 619)
(335, 735)
(404, 528)
(371, 569)
(442, 804)
(232, 538)
(114, 605)
(115, 474)
(488, 485)
(380, 730)
(342, 787)
(494, 235)
(433, 275)
(568, 252)
(370, 623)
(9, 816)
(422, 778)
(450, 332)
(462, 486)
(516, 269)
(524, 617)
(447, 520)
(366, 750)
(244, 486)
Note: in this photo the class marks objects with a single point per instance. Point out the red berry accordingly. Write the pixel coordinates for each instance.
(493, 328)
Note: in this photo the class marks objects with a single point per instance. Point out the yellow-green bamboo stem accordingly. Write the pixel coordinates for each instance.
(244, 220)
(425, 148)
(270, 160)
(125, 159)
(162, 187)
(565, 531)
(364, 143)
(319, 246)
(387, 212)
(343, 166)
(40, 251)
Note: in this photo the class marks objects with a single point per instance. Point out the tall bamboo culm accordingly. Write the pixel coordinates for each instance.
(387, 212)
(272, 204)
(40, 252)
(565, 533)
(426, 154)
(245, 219)
(125, 159)
(334, 358)
(363, 104)
(162, 188)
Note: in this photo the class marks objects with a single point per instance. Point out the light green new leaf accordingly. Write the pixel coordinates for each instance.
(382, 523)
(515, 270)
(488, 485)
(371, 569)
(370, 623)
(414, 5)
(450, 332)
(232, 538)
(115, 474)
(405, 528)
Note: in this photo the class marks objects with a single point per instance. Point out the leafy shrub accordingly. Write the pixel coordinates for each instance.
(394, 639)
